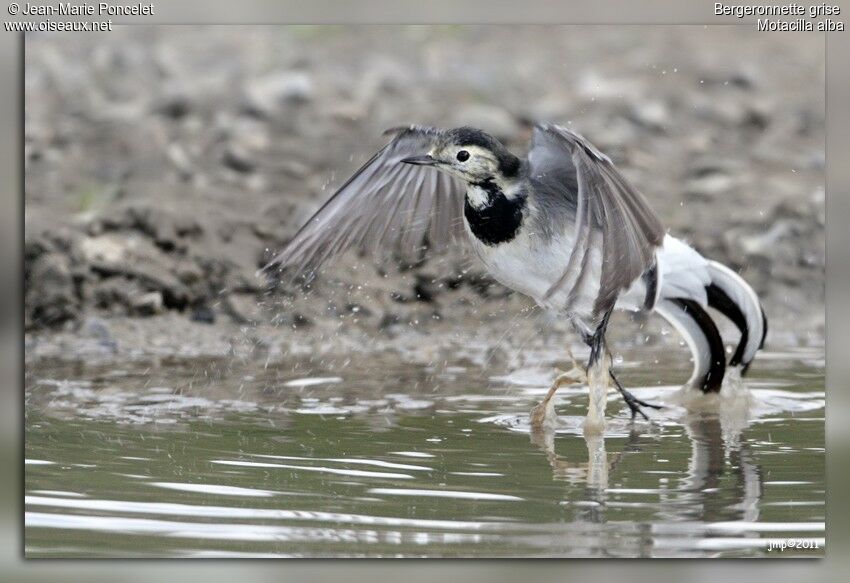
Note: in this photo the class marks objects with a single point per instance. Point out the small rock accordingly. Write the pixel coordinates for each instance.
(293, 168)
(147, 304)
(188, 272)
(763, 244)
(652, 115)
(204, 315)
(114, 292)
(105, 248)
(175, 294)
(51, 297)
(348, 112)
(709, 185)
(742, 80)
(247, 132)
(758, 115)
(180, 159)
(725, 112)
(174, 104)
(268, 95)
(708, 165)
(243, 308)
(238, 159)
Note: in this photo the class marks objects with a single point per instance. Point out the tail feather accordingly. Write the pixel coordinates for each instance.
(741, 305)
(701, 334)
(720, 301)
(689, 284)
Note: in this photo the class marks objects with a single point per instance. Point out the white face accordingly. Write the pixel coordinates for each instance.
(469, 163)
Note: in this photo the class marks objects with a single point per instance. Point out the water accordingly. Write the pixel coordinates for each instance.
(215, 458)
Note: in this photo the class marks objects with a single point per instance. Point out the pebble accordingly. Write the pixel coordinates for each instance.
(268, 95)
(147, 304)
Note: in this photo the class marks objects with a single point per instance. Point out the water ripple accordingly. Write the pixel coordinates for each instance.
(443, 494)
(337, 471)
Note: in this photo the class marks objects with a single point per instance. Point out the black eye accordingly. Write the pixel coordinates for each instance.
(463, 156)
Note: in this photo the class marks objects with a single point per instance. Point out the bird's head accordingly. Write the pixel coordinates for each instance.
(471, 155)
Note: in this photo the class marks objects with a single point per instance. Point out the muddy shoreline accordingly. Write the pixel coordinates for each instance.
(164, 165)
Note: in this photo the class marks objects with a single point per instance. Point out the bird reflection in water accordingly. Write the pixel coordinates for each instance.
(721, 482)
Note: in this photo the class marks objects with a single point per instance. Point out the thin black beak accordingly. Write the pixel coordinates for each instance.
(425, 160)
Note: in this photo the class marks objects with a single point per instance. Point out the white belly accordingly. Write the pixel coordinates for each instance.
(531, 265)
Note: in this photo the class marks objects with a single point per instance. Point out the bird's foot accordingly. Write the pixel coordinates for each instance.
(635, 404)
(543, 414)
(575, 376)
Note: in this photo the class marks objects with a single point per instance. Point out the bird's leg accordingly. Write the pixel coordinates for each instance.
(598, 368)
(598, 345)
(633, 402)
(597, 385)
(544, 411)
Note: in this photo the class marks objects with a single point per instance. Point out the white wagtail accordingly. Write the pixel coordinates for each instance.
(562, 226)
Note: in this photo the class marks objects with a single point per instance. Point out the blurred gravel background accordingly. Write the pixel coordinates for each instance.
(165, 164)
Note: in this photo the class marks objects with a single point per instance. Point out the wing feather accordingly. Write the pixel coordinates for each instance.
(385, 207)
(606, 207)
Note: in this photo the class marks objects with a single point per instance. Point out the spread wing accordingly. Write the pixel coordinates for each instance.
(385, 207)
(608, 211)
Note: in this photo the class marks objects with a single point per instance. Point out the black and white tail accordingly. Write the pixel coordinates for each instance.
(688, 283)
